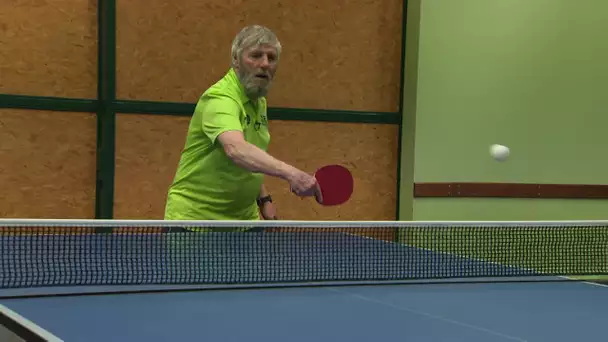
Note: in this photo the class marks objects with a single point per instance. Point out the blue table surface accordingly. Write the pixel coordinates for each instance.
(563, 311)
(423, 312)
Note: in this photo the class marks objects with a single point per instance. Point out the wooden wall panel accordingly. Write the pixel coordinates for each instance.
(48, 48)
(370, 151)
(337, 54)
(47, 167)
(148, 149)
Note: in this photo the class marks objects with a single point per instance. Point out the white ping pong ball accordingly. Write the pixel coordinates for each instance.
(499, 152)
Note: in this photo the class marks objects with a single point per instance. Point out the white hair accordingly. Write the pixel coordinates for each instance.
(252, 36)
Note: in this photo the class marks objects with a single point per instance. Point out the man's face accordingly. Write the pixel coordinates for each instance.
(256, 69)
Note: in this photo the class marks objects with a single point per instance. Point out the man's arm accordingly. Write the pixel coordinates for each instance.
(221, 123)
(267, 209)
(263, 191)
(252, 157)
(255, 159)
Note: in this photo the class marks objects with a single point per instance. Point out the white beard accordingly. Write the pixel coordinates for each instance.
(252, 88)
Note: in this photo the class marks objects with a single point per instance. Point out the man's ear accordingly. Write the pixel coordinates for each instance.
(235, 62)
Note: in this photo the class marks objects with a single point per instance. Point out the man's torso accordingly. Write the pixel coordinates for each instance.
(207, 184)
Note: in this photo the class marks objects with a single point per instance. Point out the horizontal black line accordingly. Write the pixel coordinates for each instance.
(100, 290)
(296, 114)
(48, 103)
(186, 109)
(150, 107)
(333, 115)
(511, 190)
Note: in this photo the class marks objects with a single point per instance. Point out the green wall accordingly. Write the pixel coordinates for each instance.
(527, 74)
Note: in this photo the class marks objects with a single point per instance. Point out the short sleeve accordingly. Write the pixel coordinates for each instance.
(220, 114)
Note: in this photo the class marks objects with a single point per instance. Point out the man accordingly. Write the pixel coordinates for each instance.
(221, 171)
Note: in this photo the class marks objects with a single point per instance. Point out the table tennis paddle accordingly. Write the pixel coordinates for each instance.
(336, 183)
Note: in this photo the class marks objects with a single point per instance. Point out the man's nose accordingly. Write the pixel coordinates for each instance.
(264, 63)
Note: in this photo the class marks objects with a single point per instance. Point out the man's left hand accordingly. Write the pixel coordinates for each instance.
(268, 211)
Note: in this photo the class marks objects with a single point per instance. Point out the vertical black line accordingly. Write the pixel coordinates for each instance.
(106, 116)
(401, 107)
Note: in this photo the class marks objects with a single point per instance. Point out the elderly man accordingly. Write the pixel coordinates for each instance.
(221, 172)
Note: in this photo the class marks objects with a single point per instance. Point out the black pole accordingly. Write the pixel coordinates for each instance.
(106, 115)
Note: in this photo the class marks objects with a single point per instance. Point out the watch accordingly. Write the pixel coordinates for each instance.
(264, 199)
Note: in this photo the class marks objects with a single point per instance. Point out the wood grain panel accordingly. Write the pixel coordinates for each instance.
(149, 147)
(48, 164)
(48, 48)
(370, 151)
(337, 54)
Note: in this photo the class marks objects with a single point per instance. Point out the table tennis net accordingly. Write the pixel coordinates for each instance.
(67, 253)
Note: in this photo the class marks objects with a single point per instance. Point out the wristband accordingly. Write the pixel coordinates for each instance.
(263, 200)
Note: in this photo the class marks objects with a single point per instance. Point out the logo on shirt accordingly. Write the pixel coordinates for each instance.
(263, 121)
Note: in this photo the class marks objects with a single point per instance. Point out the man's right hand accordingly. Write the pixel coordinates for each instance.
(303, 184)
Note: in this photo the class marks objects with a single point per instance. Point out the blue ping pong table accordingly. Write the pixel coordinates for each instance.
(536, 311)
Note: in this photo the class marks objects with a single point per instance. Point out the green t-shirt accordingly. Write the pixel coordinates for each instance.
(207, 184)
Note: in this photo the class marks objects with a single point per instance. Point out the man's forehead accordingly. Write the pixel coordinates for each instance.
(266, 48)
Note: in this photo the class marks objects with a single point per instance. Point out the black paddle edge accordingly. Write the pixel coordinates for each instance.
(19, 329)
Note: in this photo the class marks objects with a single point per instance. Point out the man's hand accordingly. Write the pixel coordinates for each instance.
(268, 211)
(303, 184)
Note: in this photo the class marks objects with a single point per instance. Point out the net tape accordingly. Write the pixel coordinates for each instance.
(132, 252)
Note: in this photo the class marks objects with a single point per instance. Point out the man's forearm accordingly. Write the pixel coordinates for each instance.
(255, 159)
(263, 191)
